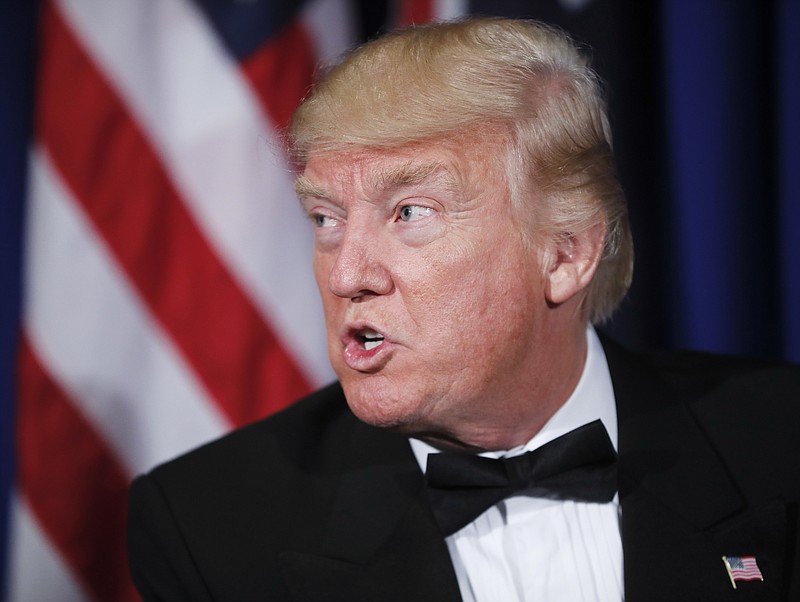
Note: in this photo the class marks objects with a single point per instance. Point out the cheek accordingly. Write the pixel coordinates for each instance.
(433, 286)
(478, 303)
(447, 300)
(323, 264)
(322, 267)
(331, 304)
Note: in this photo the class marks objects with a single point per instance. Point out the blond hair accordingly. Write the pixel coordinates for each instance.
(524, 77)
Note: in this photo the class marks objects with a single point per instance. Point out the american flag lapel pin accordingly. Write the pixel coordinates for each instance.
(742, 568)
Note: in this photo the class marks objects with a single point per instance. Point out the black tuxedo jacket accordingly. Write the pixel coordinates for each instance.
(312, 504)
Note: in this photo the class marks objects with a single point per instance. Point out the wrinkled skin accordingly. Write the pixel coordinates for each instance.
(443, 320)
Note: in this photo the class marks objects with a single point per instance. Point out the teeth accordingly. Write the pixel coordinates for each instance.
(371, 339)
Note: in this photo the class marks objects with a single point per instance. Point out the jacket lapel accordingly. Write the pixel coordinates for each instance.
(380, 542)
(681, 511)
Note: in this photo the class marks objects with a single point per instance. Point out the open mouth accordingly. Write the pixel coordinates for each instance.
(365, 349)
(369, 339)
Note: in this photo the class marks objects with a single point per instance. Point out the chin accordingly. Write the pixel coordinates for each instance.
(381, 406)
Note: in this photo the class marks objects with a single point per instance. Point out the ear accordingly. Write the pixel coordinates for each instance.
(572, 263)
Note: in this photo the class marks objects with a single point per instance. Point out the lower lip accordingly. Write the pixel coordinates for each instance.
(363, 360)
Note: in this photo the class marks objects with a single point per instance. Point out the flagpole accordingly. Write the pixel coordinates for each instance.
(730, 571)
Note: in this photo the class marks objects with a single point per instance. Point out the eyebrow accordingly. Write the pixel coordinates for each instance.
(396, 176)
(409, 174)
(305, 187)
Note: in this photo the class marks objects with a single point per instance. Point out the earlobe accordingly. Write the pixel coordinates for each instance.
(573, 261)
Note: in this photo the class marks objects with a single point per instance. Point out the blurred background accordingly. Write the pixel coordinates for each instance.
(156, 285)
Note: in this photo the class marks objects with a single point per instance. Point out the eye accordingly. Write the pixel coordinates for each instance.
(324, 221)
(410, 213)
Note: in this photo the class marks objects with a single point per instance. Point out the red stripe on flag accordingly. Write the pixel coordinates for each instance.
(411, 12)
(74, 485)
(280, 72)
(117, 177)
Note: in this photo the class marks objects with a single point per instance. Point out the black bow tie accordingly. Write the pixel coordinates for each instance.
(580, 465)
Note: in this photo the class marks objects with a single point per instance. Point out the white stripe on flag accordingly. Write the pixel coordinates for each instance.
(97, 340)
(36, 571)
(331, 25)
(449, 9)
(223, 154)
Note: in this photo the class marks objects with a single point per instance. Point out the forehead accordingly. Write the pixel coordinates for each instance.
(381, 170)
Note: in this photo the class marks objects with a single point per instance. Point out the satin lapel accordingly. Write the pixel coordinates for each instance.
(681, 512)
(381, 542)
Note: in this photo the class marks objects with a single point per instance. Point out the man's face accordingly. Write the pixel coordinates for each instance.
(434, 302)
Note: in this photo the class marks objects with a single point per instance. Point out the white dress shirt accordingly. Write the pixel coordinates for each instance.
(526, 548)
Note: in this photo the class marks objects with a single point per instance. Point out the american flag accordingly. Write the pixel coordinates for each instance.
(743, 568)
(168, 291)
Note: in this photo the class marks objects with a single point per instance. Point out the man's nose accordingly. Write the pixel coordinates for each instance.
(361, 267)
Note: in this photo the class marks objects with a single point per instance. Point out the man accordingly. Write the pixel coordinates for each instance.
(469, 229)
